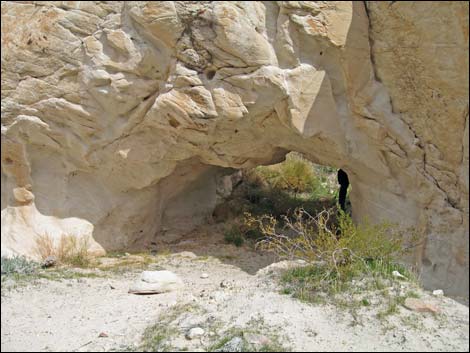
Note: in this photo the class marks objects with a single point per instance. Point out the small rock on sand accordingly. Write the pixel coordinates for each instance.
(49, 262)
(420, 306)
(195, 332)
(154, 282)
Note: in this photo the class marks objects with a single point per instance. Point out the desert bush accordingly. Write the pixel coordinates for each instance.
(234, 236)
(44, 246)
(70, 249)
(338, 249)
(74, 251)
(295, 174)
(17, 264)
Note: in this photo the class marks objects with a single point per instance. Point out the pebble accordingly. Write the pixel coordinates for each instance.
(438, 293)
(204, 275)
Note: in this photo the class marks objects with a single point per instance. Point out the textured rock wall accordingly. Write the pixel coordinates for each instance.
(119, 119)
(420, 53)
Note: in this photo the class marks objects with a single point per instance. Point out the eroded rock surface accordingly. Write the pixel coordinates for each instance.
(120, 118)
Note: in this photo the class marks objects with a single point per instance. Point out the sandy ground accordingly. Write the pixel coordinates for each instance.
(69, 315)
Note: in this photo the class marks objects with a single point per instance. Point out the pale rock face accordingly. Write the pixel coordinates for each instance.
(121, 119)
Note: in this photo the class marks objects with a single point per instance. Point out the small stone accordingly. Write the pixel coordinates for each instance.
(195, 332)
(204, 275)
(49, 262)
(420, 306)
(438, 293)
(103, 334)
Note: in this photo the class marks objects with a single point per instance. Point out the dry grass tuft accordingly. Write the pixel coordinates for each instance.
(70, 249)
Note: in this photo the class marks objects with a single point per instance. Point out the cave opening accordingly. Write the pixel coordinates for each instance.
(282, 188)
(208, 217)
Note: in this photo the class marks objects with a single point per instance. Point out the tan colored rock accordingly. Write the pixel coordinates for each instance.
(23, 196)
(420, 306)
(124, 117)
(229, 104)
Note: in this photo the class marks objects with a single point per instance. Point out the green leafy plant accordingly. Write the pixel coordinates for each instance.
(17, 265)
(234, 236)
(295, 174)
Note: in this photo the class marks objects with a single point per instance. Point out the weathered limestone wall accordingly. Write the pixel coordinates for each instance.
(420, 53)
(119, 118)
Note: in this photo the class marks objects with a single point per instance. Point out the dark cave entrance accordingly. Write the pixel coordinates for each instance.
(279, 189)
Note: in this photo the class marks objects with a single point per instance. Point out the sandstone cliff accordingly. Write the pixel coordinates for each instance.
(118, 118)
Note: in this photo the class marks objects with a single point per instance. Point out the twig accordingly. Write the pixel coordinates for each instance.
(83, 345)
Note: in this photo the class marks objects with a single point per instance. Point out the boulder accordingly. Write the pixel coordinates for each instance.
(154, 282)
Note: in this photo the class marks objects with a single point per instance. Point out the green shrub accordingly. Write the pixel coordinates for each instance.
(339, 249)
(234, 236)
(253, 234)
(279, 189)
(295, 174)
(17, 264)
